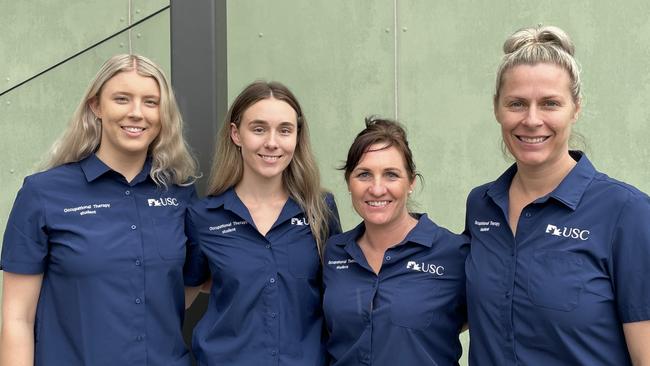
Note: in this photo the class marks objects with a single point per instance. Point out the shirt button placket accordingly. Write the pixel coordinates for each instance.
(273, 315)
(133, 216)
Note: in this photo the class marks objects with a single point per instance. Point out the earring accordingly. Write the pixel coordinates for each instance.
(410, 192)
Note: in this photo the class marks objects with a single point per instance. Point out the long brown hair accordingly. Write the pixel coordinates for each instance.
(301, 178)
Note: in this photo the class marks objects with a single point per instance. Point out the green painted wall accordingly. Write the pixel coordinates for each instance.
(429, 63)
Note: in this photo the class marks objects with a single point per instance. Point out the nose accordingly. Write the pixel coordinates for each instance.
(378, 188)
(136, 111)
(533, 118)
(271, 141)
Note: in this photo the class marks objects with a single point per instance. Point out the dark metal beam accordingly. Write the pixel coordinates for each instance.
(199, 77)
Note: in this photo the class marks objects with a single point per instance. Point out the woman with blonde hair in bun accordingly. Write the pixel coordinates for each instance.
(558, 267)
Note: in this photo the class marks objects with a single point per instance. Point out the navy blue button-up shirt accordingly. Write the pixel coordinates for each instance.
(265, 301)
(111, 254)
(408, 314)
(558, 291)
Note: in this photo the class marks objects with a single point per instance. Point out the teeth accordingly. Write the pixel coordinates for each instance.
(532, 140)
(270, 157)
(133, 129)
(377, 203)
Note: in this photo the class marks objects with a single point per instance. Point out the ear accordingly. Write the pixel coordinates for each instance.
(234, 134)
(576, 113)
(412, 185)
(93, 103)
(495, 108)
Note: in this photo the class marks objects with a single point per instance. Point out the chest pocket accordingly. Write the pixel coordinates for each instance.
(413, 306)
(170, 235)
(554, 279)
(303, 258)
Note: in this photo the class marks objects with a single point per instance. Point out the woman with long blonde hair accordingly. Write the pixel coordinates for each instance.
(260, 232)
(95, 245)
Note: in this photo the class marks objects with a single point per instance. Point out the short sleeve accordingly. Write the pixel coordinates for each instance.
(195, 269)
(631, 260)
(25, 243)
(334, 222)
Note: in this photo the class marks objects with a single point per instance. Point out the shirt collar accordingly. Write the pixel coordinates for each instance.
(424, 233)
(230, 201)
(569, 192)
(93, 168)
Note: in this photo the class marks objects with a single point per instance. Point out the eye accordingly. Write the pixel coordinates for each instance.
(120, 99)
(363, 176)
(151, 102)
(515, 104)
(286, 130)
(258, 130)
(551, 103)
(392, 175)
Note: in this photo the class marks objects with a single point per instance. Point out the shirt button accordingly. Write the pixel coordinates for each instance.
(527, 214)
(137, 262)
(273, 315)
(388, 257)
(127, 193)
(137, 300)
(274, 352)
(507, 294)
(140, 338)
(133, 227)
(272, 280)
(268, 246)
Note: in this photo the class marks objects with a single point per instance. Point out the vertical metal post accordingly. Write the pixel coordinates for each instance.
(199, 77)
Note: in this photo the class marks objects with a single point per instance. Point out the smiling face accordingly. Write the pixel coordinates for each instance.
(128, 106)
(536, 112)
(267, 136)
(379, 186)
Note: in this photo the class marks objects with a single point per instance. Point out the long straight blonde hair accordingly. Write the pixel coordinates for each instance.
(301, 178)
(172, 162)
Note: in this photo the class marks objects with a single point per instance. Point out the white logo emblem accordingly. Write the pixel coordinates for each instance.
(567, 232)
(162, 201)
(299, 221)
(426, 268)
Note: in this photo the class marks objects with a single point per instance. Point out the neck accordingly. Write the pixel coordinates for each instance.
(127, 165)
(256, 190)
(540, 181)
(382, 237)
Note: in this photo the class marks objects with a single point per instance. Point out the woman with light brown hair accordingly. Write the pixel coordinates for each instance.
(558, 267)
(259, 234)
(94, 247)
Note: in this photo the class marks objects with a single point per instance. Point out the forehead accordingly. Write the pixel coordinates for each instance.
(378, 155)
(541, 77)
(131, 81)
(270, 110)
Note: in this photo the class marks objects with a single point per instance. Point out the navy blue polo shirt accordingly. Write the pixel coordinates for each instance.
(265, 300)
(558, 292)
(408, 314)
(111, 254)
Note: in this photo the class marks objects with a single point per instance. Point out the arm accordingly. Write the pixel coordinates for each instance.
(637, 337)
(19, 299)
(190, 295)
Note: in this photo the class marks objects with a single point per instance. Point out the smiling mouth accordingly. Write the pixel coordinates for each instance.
(269, 158)
(377, 203)
(532, 140)
(133, 129)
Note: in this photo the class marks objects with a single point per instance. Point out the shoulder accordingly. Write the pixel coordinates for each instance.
(616, 189)
(449, 239)
(61, 173)
(477, 193)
